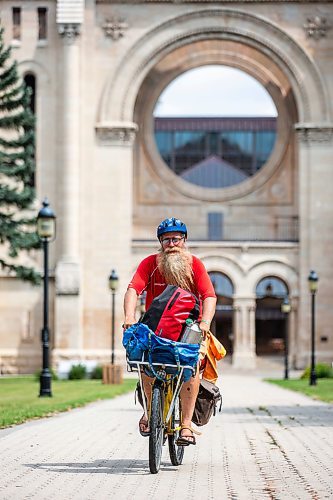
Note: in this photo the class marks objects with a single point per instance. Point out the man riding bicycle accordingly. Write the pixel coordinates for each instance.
(172, 265)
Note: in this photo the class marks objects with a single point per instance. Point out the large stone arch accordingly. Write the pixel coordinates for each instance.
(227, 265)
(121, 92)
(215, 51)
(270, 267)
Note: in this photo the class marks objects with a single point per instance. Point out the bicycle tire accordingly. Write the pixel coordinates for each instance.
(176, 452)
(156, 429)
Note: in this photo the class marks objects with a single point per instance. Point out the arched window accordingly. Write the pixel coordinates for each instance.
(271, 287)
(30, 81)
(215, 138)
(222, 284)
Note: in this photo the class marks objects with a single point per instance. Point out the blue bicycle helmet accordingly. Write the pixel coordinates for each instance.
(171, 225)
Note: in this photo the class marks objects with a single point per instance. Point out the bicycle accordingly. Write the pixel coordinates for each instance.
(164, 415)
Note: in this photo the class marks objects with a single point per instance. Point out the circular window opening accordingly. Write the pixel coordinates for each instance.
(215, 126)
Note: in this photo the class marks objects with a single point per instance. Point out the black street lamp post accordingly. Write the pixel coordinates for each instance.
(313, 287)
(285, 309)
(46, 231)
(113, 285)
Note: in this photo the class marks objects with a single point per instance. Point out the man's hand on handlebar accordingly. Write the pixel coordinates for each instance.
(204, 327)
(128, 322)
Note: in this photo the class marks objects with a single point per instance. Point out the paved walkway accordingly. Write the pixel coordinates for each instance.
(268, 443)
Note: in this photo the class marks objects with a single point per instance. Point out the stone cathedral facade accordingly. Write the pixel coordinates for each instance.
(98, 68)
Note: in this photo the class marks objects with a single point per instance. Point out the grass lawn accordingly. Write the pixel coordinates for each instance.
(322, 391)
(19, 399)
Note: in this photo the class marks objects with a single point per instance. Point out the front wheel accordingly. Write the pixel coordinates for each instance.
(156, 429)
(176, 452)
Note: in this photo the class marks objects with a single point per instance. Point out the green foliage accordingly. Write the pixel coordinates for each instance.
(97, 373)
(323, 370)
(54, 375)
(17, 166)
(77, 372)
(19, 399)
(322, 391)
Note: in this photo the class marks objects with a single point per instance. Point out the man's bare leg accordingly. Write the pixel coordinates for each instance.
(147, 387)
(188, 396)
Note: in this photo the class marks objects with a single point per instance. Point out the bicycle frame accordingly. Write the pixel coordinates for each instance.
(136, 366)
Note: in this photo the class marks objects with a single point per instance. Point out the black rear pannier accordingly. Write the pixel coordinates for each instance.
(206, 402)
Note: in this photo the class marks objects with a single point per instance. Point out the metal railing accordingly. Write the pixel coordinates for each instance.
(280, 229)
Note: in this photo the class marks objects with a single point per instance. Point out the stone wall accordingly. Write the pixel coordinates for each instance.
(99, 75)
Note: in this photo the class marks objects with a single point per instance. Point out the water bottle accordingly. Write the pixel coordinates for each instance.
(192, 333)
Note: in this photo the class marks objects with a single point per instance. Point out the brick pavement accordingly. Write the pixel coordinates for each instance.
(268, 443)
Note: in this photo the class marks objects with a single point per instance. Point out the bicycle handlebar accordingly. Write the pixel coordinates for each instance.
(136, 364)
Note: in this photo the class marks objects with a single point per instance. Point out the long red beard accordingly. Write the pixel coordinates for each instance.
(176, 266)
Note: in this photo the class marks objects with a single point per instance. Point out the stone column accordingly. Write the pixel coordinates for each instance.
(251, 316)
(68, 308)
(316, 237)
(111, 221)
(69, 182)
(244, 355)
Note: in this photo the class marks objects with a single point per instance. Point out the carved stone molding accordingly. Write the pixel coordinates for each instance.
(226, 30)
(314, 133)
(69, 31)
(117, 133)
(316, 27)
(115, 28)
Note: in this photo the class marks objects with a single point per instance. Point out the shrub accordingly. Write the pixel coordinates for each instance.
(97, 373)
(323, 370)
(77, 372)
(54, 375)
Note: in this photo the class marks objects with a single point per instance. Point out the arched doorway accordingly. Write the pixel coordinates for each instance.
(222, 326)
(270, 321)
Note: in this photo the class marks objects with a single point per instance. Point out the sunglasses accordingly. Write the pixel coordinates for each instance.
(175, 241)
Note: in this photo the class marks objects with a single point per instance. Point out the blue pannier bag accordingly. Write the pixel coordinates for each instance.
(135, 341)
(165, 351)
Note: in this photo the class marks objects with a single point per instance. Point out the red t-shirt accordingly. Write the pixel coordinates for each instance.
(149, 278)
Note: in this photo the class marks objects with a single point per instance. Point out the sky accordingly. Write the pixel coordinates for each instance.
(215, 91)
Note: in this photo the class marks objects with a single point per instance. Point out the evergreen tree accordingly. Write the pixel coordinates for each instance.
(17, 164)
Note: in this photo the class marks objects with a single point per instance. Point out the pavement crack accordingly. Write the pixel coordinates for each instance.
(313, 493)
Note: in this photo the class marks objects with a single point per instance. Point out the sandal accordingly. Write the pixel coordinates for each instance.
(187, 440)
(144, 426)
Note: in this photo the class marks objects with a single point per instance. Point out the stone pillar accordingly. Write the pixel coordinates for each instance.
(251, 316)
(316, 238)
(111, 221)
(68, 307)
(244, 355)
(69, 182)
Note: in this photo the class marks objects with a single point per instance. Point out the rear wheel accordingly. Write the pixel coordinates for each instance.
(176, 452)
(156, 429)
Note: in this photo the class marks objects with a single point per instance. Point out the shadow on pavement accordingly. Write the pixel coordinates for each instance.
(116, 466)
